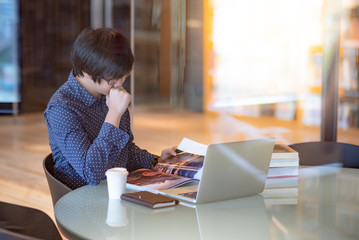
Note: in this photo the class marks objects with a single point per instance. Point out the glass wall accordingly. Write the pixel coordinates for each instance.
(168, 47)
(348, 114)
(258, 61)
(9, 59)
(270, 62)
(47, 30)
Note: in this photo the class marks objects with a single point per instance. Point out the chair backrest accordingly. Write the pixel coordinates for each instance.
(57, 188)
(320, 153)
(20, 223)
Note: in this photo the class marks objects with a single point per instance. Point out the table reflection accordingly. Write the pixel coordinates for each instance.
(327, 208)
(116, 213)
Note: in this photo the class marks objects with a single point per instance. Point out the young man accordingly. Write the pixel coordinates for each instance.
(87, 118)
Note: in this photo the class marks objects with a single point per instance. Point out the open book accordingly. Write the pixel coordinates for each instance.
(185, 168)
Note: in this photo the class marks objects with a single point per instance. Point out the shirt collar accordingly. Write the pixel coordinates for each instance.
(80, 93)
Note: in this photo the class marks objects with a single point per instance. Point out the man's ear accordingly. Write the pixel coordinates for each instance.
(86, 75)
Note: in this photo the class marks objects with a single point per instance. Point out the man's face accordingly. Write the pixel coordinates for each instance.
(116, 83)
(104, 86)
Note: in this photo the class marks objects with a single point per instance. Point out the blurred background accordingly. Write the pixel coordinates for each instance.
(263, 61)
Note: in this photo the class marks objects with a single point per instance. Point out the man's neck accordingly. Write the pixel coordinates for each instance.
(88, 85)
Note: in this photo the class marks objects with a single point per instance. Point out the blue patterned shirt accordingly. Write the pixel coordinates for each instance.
(83, 145)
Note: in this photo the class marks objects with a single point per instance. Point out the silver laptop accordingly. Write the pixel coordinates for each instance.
(230, 170)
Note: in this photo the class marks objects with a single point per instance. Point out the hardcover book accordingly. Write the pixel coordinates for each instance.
(283, 151)
(282, 182)
(278, 172)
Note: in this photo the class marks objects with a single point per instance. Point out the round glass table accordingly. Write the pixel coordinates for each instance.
(324, 205)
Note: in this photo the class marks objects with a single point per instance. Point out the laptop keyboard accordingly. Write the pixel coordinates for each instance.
(192, 195)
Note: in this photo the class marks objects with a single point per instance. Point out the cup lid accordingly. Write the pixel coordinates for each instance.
(117, 170)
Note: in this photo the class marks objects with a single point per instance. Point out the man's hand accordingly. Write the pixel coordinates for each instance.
(166, 153)
(117, 101)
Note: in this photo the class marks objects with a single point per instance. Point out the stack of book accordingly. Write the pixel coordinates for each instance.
(283, 176)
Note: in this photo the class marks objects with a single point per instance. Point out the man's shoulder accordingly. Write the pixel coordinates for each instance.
(62, 96)
(64, 99)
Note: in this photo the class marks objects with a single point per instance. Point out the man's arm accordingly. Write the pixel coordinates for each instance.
(90, 160)
(138, 158)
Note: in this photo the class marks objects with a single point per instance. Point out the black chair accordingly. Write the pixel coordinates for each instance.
(19, 223)
(327, 153)
(57, 188)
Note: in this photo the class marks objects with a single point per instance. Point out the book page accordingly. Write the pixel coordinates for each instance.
(183, 164)
(190, 146)
(152, 179)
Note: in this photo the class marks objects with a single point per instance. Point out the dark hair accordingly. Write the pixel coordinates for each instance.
(102, 53)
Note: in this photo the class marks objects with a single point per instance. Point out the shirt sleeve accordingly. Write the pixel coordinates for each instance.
(137, 157)
(89, 159)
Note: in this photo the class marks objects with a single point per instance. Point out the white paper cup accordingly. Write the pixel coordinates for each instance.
(116, 213)
(116, 182)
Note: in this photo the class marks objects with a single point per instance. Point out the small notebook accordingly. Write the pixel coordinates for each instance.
(149, 199)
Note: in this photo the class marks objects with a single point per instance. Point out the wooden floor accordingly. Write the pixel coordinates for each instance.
(24, 144)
